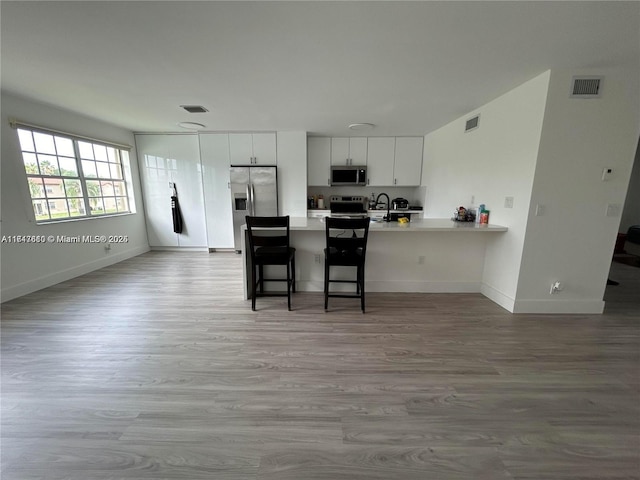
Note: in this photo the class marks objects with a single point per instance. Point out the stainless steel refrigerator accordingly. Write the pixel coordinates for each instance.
(254, 191)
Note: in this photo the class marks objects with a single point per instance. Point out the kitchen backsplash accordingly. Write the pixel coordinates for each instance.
(415, 195)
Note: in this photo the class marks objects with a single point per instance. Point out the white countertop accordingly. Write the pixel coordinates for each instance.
(370, 211)
(417, 225)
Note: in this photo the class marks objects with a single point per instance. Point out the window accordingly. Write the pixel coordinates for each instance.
(73, 178)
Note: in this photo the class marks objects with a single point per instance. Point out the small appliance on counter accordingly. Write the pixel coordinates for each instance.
(399, 204)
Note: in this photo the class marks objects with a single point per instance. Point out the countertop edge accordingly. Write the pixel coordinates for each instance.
(418, 225)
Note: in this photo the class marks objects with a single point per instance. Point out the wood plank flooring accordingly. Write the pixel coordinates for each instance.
(156, 368)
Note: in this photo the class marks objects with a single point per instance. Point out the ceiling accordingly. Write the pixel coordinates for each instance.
(407, 67)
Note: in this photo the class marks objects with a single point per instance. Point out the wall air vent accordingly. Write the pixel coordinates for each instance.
(472, 123)
(586, 87)
(194, 108)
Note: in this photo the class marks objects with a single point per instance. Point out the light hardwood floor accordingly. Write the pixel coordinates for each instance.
(156, 368)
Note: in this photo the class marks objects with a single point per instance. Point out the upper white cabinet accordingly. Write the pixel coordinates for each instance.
(407, 169)
(214, 158)
(349, 151)
(252, 148)
(319, 161)
(390, 160)
(394, 161)
(380, 160)
(175, 159)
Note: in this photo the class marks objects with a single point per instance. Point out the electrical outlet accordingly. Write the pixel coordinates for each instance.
(556, 287)
(421, 260)
(473, 199)
(317, 258)
(508, 202)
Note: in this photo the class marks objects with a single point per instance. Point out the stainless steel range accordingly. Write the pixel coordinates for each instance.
(348, 206)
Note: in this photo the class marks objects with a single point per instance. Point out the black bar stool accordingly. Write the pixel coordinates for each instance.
(346, 246)
(269, 245)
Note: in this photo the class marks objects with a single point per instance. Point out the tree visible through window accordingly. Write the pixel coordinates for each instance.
(71, 178)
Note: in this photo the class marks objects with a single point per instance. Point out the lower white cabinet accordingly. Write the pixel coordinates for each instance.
(176, 159)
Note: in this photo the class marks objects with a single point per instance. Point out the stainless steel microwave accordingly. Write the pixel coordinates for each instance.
(348, 175)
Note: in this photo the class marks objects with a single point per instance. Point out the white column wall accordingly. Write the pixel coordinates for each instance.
(573, 240)
(490, 163)
(292, 173)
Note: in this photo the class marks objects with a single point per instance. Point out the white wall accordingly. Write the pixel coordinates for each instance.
(490, 163)
(292, 173)
(573, 240)
(27, 268)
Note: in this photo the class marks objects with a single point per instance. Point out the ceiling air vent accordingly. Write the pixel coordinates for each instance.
(194, 108)
(586, 87)
(472, 123)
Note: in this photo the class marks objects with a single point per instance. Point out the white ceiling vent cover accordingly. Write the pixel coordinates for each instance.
(472, 123)
(586, 87)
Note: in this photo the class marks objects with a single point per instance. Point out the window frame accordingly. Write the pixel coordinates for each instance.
(121, 160)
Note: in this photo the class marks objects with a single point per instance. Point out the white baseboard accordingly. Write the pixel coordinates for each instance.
(502, 299)
(559, 306)
(49, 280)
(179, 249)
(542, 306)
(396, 287)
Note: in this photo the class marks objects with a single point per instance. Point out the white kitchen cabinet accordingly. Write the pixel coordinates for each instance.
(214, 158)
(394, 161)
(252, 148)
(407, 168)
(348, 150)
(175, 159)
(319, 161)
(380, 159)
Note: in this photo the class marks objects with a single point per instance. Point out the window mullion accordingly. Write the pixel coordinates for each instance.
(83, 183)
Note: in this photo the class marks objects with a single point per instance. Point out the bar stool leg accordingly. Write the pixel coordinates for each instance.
(261, 271)
(361, 283)
(293, 274)
(253, 288)
(326, 284)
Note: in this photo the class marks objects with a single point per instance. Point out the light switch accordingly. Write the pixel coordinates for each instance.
(508, 202)
(613, 210)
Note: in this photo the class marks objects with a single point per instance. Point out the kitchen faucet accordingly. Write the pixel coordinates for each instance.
(387, 218)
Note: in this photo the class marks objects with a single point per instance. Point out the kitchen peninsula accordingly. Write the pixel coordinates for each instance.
(424, 255)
